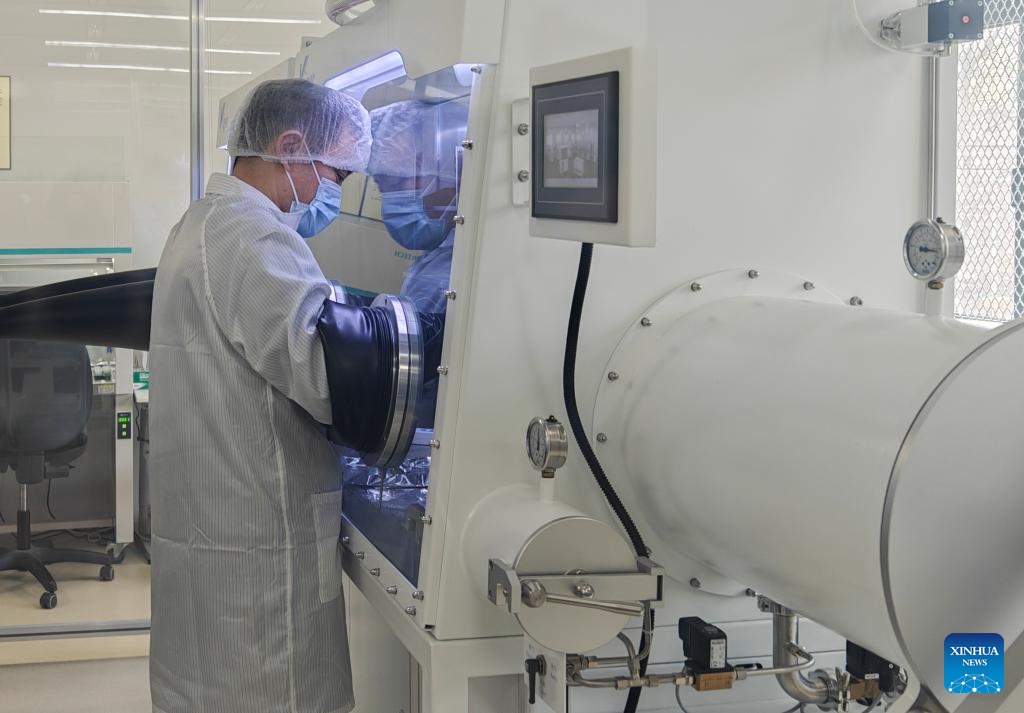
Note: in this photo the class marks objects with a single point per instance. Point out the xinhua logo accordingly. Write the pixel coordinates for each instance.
(974, 663)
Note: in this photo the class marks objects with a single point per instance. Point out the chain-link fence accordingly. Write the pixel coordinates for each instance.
(990, 167)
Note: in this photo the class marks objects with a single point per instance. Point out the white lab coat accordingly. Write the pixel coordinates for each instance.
(248, 615)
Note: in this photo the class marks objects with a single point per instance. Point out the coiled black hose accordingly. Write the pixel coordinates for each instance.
(573, 412)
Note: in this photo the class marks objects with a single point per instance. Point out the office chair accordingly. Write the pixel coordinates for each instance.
(45, 398)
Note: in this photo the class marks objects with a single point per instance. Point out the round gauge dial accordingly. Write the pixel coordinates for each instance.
(546, 444)
(933, 250)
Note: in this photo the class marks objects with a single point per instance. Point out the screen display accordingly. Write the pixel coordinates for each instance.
(571, 152)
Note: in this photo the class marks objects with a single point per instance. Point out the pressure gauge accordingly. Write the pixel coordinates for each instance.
(933, 250)
(546, 444)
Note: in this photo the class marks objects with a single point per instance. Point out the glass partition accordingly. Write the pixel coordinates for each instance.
(79, 473)
(396, 235)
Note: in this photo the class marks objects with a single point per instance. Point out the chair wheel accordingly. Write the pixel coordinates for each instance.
(48, 600)
(106, 573)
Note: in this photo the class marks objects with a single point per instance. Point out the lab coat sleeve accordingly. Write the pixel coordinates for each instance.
(266, 293)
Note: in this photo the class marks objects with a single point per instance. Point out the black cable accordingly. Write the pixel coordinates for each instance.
(49, 487)
(573, 412)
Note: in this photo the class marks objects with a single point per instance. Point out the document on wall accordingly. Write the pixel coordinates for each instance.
(5, 123)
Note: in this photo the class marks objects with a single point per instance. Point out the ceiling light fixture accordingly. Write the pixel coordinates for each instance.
(141, 68)
(149, 16)
(169, 48)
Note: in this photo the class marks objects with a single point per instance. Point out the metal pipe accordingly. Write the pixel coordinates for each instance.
(933, 137)
(23, 494)
(197, 85)
(795, 649)
(798, 687)
(634, 662)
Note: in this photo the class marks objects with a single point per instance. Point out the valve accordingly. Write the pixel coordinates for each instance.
(535, 667)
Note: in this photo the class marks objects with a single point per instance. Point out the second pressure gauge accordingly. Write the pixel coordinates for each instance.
(933, 250)
(546, 444)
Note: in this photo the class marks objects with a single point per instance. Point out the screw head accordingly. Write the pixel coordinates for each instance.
(476, 69)
(434, 443)
(450, 294)
(613, 376)
(808, 285)
(584, 590)
(695, 583)
(645, 322)
(951, 34)
(467, 144)
(426, 519)
(459, 220)
(359, 555)
(346, 540)
(856, 302)
(418, 595)
(442, 370)
(411, 611)
(391, 589)
(753, 274)
(696, 287)
(375, 571)
(523, 176)
(602, 438)
(523, 129)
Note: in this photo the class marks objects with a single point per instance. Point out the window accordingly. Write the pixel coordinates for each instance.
(990, 167)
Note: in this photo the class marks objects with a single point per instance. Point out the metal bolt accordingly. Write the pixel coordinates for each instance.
(523, 129)
(645, 322)
(346, 540)
(613, 376)
(695, 583)
(459, 220)
(442, 370)
(418, 595)
(411, 611)
(753, 274)
(584, 590)
(935, 285)
(602, 438)
(476, 69)
(696, 287)
(391, 589)
(856, 301)
(808, 286)
(467, 144)
(359, 555)
(375, 571)
(450, 294)
(750, 593)
(426, 519)
(434, 443)
(523, 176)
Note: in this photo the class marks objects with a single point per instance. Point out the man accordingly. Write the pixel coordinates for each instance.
(247, 613)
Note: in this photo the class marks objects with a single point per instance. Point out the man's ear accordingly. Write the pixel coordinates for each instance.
(289, 143)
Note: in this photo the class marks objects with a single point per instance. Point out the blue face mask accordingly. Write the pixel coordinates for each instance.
(408, 222)
(319, 212)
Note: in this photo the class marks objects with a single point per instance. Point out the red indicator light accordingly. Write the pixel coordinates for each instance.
(966, 19)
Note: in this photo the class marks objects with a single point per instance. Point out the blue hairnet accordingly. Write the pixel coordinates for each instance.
(335, 127)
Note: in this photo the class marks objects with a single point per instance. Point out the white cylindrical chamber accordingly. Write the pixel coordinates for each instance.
(861, 466)
(544, 537)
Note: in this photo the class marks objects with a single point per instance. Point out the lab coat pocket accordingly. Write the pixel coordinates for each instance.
(327, 521)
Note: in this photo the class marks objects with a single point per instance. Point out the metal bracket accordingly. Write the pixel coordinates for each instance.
(612, 592)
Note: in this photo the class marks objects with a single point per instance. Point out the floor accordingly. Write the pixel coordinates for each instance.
(108, 686)
(95, 642)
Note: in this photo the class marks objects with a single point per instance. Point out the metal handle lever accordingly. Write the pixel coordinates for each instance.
(534, 595)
